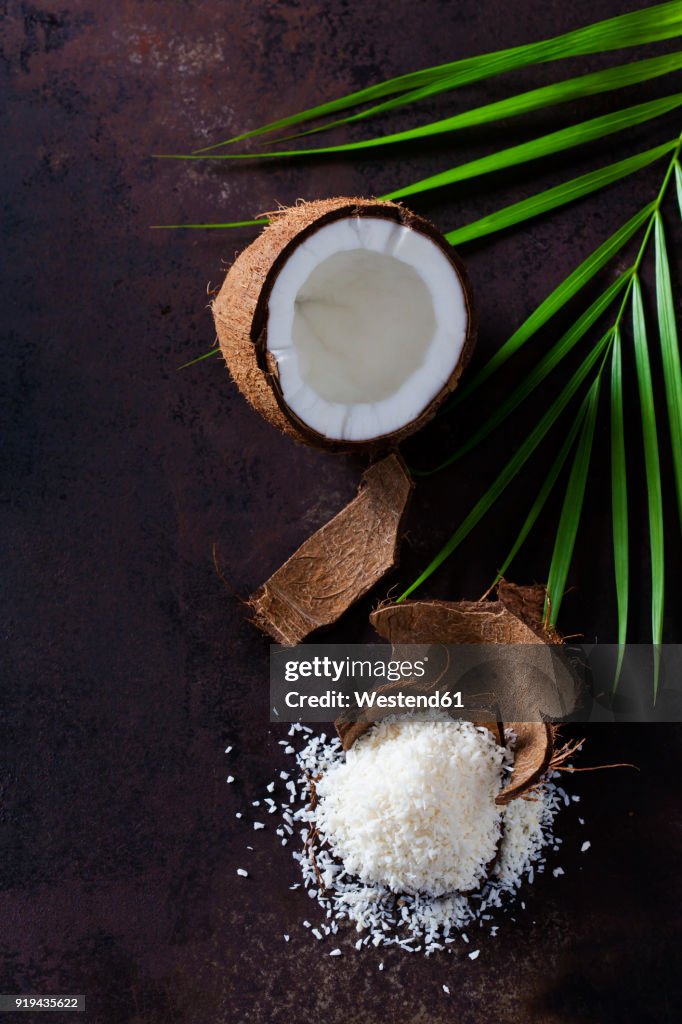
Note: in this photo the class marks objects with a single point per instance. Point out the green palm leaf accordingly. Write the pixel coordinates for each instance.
(552, 198)
(653, 24)
(619, 499)
(212, 352)
(513, 467)
(513, 106)
(651, 462)
(526, 209)
(572, 508)
(569, 287)
(546, 489)
(542, 370)
(535, 149)
(227, 224)
(678, 183)
(670, 352)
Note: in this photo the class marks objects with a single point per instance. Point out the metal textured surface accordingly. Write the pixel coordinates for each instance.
(129, 665)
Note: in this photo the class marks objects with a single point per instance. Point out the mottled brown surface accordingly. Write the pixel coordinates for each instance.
(128, 666)
(341, 561)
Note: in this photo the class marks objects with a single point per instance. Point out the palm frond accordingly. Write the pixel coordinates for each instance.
(619, 499)
(543, 98)
(544, 367)
(560, 195)
(652, 24)
(228, 224)
(545, 490)
(636, 28)
(670, 352)
(212, 352)
(651, 462)
(571, 511)
(556, 300)
(515, 464)
(546, 145)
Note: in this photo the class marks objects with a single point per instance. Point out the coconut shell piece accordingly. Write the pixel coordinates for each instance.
(340, 562)
(351, 725)
(533, 750)
(515, 617)
(240, 311)
(548, 687)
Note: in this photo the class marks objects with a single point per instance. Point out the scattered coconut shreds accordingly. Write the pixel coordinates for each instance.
(585, 847)
(242, 873)
(446, 990)
(230, 778)
(407, 884)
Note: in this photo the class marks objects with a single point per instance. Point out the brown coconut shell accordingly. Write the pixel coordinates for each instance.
(350, 726)
(341, 561)
(515, 617)
(533, 751)
(240, 312)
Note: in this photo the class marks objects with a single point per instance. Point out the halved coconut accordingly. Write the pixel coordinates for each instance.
(347, 322)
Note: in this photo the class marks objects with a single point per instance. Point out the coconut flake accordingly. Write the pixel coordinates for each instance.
(418, 921)
(413, 806)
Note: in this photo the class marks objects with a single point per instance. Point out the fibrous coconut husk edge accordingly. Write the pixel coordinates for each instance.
(240, 311)
(341, 561)
(515, 617)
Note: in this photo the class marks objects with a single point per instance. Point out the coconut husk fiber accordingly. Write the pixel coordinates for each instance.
(341, 562)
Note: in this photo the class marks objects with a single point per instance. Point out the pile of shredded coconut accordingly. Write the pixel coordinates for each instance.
(413, 806)
(404, 839)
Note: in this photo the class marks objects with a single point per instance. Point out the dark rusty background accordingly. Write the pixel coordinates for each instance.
(128, 664)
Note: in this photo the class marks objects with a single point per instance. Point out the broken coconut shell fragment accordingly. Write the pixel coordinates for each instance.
(533, 678)
(533, 751)
(515, 617)
(347, 322)
(350, 725)
(340, 562)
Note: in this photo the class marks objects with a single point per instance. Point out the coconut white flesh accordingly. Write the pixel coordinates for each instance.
(366, 321)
